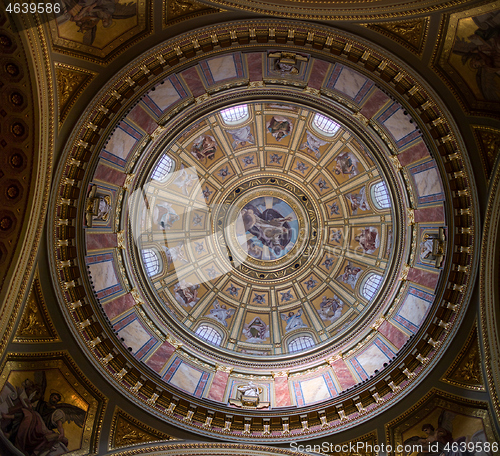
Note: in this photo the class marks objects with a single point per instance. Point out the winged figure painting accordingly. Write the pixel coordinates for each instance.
(35, 423)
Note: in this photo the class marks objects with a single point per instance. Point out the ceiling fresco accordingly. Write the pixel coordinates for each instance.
(246, 249)
(262, 230)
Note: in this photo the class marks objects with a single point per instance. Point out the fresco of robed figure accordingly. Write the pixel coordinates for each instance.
(267, 228)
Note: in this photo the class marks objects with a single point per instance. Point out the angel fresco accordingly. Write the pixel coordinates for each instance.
(313, 144)
(293, 320)
(358, 201)
(165, 215)
(242, 136)
(330, 309)
(32, 423)
(347, 164)
(270, 228)
(175, 254)
(279, 127)
(220, 313)
(186, 293)
(256, 331)
(350, 275)
(368, 239)
(481, 52)
(87, 14)
(438, 441)
(204, 147)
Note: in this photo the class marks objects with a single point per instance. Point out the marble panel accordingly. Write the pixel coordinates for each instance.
(141, 118)
(103, 275)
(413, 154)
(315, 390)
(222, 68)
(96, 241)
(425, 278)
(192, 79)
(164, 95)
(119, 305)
(120, 144)
(254, 64)
(343, 374)
(399, 125)
(430, 214)
(374, 103)
(281, 392)
(373, 358)
(414, 309)
(134, 335)
(186, 378)
(160, 356)
(349, 82)
(428, 182)
(318, 73)
(393, 334)
(218, 387)
(112, 176)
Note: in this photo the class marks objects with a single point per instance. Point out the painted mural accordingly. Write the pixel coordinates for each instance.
(44, 409)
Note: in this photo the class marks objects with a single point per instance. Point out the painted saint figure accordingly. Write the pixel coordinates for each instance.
(313, 144)
(174, 254)
(358, 201)
(220, 313)
(347, 164)
(279, 127)
(330, 309)
(165, 215)
(269, 227)
(186, 293)
(256, 331)
(368, 239)
(242, 136)
(293, 320)
(350, 275)
(204, 147)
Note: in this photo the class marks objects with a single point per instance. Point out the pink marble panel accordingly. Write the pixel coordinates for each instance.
(254, 62)
(281, 391)
(218, 387)
(193, 81)
(142, 119)
(106, 174)
(374, 103)
(160, 356)
(414, 153)
(318, 73)
(119, 305)
(343, 374)
(100, 240)
(393, 334)
(430, 214)
(425, 278)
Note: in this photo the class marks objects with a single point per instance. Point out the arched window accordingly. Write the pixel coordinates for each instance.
(325, 125)
(300, 343)
(235, 114)
(209, 334)
(380, 195)
(151, 262)
(162, 168)
(370, 286)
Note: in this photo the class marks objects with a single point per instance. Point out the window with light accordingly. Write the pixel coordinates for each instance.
(325, 125)
(235, 114)
(380, 196)
(371, 286)
(162, 169)
(151, 262)
(209, 334)
(300, 343)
